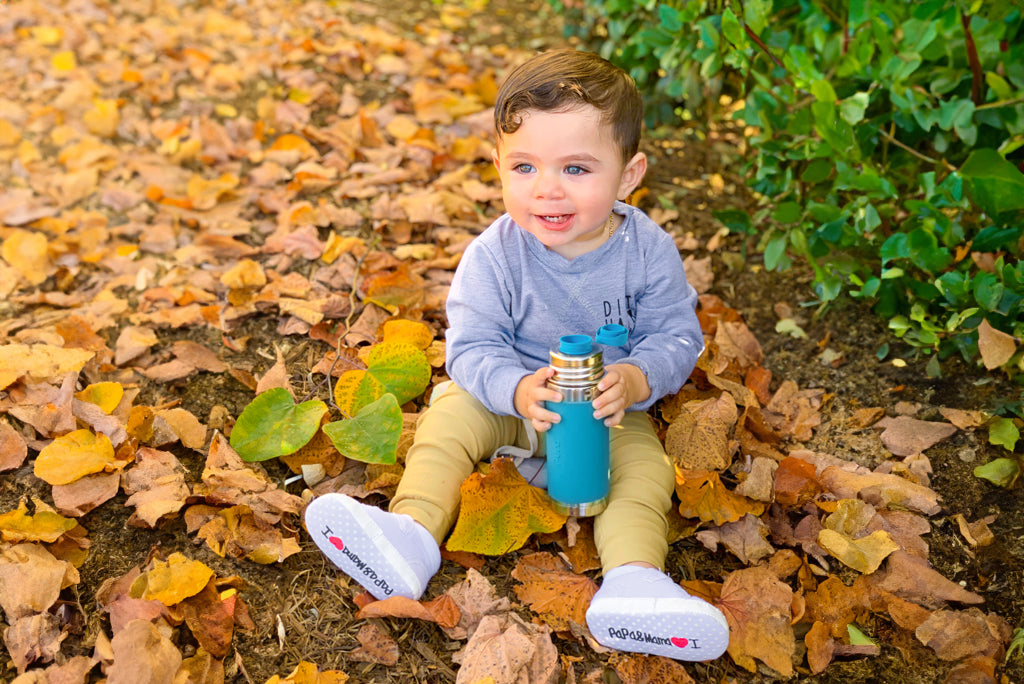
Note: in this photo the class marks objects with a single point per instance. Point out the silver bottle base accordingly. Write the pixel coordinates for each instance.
(581, 510)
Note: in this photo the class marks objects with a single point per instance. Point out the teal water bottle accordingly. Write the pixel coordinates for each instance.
(578, 446)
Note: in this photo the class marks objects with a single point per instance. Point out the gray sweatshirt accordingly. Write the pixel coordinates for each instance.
(512, 299)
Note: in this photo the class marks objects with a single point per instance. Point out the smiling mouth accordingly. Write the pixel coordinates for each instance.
(555, 218)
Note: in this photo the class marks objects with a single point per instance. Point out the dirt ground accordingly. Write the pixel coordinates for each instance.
(303, 608)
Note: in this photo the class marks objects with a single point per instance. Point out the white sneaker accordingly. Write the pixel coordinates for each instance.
(665, 622)
(389, 554)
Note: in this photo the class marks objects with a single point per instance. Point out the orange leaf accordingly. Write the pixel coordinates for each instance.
(500, 510)
(441, 610)
(759, 607)
(698, 439)
(560, 597)
(702, 495)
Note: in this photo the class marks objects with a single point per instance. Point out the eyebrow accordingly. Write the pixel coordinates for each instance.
(582, 157)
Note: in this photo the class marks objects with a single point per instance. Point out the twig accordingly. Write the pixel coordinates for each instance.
(972, 59)
(911, 150)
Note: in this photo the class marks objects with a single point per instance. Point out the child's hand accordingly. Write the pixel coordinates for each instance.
(531, 393)
(622, 386)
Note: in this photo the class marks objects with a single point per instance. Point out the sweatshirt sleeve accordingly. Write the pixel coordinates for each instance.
(481, 357)
(667, 339)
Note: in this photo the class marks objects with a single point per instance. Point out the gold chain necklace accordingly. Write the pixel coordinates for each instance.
(611, 223)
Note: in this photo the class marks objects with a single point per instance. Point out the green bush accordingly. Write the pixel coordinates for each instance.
(884, 143)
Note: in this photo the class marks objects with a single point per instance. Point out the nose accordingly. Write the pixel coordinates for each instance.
(548, 185)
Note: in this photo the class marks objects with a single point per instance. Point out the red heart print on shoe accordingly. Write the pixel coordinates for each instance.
(340, 545)
(680, 642)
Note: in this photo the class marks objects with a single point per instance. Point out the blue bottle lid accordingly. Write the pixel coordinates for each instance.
(574, 344)
(612, 335)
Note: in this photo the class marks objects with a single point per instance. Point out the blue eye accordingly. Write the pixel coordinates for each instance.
(575, 170)
(523, 168)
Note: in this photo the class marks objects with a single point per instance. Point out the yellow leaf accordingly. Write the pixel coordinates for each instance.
(9, 134)
(39, 362)
(44, 526)
(73, 456)
(204, 194)
(356, 389)
(106, 395)
(245, 274)
(338, 245)
(864, 554)
(47, 35)
(415, 333)
(26, 252)
(103, 119)
(500, 510)
(64, 61)
(226, 111)
(173, 581)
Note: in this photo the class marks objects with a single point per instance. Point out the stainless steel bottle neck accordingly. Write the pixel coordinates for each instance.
(576, 375)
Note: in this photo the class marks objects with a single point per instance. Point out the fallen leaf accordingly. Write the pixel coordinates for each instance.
(509, 651)
(955, 635)
(559, 596)
(864, 554)
(13, 449)
(646, 669)
(44, 526)
(914, 579)
(906, 436)
(995, 346)
(34, 638)
(172, 581)
(39, 362)
(499, 511)
(475, 597)
(74, 456)
(758, 608)
(155, 486)
(31, 580)
(702, 495)
(746, 539)
(375, 646)
(441, 610)
(879, 489)
(698, 439)
(142, 654)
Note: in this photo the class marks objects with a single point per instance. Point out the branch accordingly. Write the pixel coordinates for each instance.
(972, 59)
(911, 150)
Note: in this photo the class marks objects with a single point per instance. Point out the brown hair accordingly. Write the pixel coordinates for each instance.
(560, 80)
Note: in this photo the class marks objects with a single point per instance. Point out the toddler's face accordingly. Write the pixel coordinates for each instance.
(561, 173)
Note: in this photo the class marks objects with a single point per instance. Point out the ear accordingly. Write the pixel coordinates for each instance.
(632, 175)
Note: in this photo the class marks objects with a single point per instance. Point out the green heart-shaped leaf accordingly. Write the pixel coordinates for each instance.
(372, 435)
(274, 425)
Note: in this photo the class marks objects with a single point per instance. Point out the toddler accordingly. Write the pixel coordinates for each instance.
(568, 257)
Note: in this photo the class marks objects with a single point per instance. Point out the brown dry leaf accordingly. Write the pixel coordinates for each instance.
(759, 483)
(965, 420)
(475, 597)
(375, 646)
(820, 647)
(912, 578)
(114, 597)
(133, 342)
(866, 417)
(699, 273)
(795, 412)
(13, 448)
(47, 408)
(736, 342)
(759, 607)
(995, 346)
(976, 533)
(558, 596)
(39, 362)
(441, 610)
(702, 495)
(142, 654)
(879, 489)
(155, 486)
(905, 436)
(185, 426)
(747, 539)
(509, 651)
(85, 494)
(227, 480)
(236, 532)
(954, 635)
(34, 638)
(209, 620)
(645, 669)
(698, 439)
(31, 579)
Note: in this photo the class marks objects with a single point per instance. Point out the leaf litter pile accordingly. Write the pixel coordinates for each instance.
(212, 206)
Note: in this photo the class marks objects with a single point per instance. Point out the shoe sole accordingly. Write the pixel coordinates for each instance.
(349, 537)
(690, 629)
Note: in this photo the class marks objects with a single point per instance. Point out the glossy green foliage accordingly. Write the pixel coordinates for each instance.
(885, 143)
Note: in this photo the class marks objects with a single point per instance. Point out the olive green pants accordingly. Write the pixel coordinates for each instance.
(456, 432)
